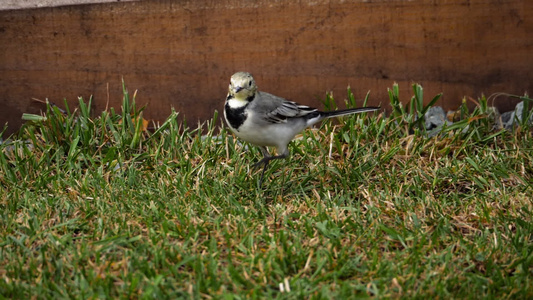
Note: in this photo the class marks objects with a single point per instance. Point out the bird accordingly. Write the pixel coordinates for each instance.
(266, 120)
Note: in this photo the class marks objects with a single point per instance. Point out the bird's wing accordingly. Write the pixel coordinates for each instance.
(279, 110)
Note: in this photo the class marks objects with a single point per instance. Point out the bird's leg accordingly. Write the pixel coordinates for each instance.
(266, 160)
(263, 174)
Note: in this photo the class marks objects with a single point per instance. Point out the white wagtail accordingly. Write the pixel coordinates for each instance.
(266, 120)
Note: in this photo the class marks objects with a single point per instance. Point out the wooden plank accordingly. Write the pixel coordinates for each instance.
(181, 53)
(28, 4)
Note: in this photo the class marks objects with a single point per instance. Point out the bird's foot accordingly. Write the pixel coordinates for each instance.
(263, 161)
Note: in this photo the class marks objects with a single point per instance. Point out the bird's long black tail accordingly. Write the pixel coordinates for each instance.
(318, 116)
(344, 112)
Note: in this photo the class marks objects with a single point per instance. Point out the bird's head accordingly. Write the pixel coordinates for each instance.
(242, 86)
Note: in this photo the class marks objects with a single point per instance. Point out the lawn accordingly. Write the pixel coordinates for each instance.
(94, 206)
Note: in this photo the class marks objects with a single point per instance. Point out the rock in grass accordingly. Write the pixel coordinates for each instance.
(519, 112)
(435, 117)
(507, 118)
(513, 117)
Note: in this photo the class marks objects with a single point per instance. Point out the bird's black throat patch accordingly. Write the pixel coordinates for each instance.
(235, 116)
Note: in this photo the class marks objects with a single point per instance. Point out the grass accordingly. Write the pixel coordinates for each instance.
(96, 207)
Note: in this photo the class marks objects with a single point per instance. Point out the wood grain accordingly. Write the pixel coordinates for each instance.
(181, 53)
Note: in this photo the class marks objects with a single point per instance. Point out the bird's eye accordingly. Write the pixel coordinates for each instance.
(250, 83)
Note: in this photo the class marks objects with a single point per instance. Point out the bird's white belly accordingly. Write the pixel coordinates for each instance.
(268, 134)
(271, 135)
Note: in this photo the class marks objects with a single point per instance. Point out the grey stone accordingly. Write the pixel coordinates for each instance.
(511, 118)
(519, 109)
(506, 116)
(435, 117)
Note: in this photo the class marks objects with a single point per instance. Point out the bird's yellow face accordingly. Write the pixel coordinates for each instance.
(242, 86)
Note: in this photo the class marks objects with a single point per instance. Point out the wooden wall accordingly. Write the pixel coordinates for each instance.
(181, 53)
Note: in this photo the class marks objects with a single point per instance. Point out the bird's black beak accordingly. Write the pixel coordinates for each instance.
(238, 89)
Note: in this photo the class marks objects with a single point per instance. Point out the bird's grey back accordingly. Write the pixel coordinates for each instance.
(278, 110)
